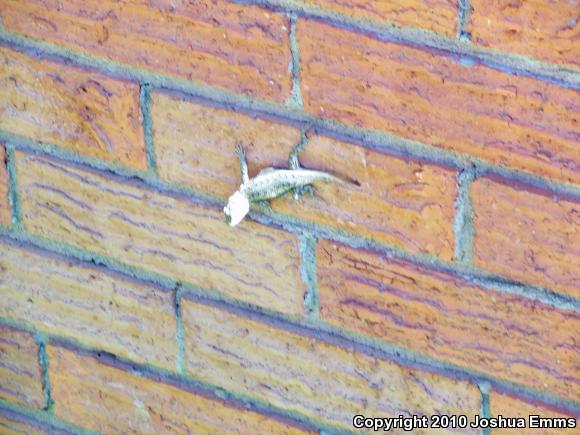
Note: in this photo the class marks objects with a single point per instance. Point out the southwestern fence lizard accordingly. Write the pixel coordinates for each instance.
(271, 183)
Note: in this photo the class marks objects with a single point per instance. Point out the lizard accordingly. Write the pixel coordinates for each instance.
(271, 183)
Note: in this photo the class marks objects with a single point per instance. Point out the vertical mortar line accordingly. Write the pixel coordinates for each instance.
(13, 196)
(309, 275)
(41, 341)
(295, 98)
(463, 13)
(180, 361)
(145, 103)
(485, 411)
(463, 224)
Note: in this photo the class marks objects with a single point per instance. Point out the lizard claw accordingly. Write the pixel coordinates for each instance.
(239, 150)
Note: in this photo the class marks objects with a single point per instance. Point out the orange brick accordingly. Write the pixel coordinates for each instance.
(163, 234)
(527, 236)
(5, 216)
(439, 16)
(514, 407)
(16, 425)
(240, 48)
(110, 400)
(301, 374)
(80, 303)
(443, 316)
(504, 119)
(81, 111)
(539, 28)
(20, 372)
(405, 203)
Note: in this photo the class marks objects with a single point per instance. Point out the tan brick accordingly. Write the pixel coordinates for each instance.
(402, 202)
(16, 425)
(514, 407)
(242, 48)
(163, 234)
(446, 317)
(81, 111)
(539, 28)
(528, 236)
(301, 374)
(100, 310)
(20, 372)
(438, 16)
(110, 400)
(504, 119)
(5, 215)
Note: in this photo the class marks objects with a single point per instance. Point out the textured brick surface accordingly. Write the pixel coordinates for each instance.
(541, 28)
(110, 400)
(508, 120)
(20, 373)
(527, 236)
(308, 376)
(5, 214)
(241, 48)
(81, 111)
(438, 15)
(405, 203)
(505, 335)
(80, 303)
(16, 425)
(514, 407)
(160, 233)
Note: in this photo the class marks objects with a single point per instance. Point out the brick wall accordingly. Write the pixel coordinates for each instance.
(446, 280)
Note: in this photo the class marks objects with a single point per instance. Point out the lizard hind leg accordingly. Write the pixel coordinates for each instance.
(241, 153)
(307, 190)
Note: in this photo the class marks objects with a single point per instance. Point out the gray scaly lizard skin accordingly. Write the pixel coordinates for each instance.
(271, 183)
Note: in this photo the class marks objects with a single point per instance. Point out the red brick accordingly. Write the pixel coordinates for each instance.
(159, 233)
(528, 236)
(20, 372)
(81, 111)
(504, 119)
(317, 379)
(84, 304)
(402, 202)
(505, 335)
(544, 29)
(110, 400)
(240, 48)
(438, 16)
(5, 215)
(509, 406)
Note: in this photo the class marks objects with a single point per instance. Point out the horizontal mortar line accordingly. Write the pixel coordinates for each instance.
(372, 139)
(41, 418)
(314, 328)
(147, 180)
(562, 75)
(183, 382)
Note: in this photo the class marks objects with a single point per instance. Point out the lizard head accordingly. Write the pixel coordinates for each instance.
(238, 207)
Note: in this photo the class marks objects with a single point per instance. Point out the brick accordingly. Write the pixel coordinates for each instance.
(402, 202)
(438, 16)
(317, 379)
(241, 48)
(538, 235)
(537, 28)
(20, 370)
(81, 111)
(513, 121)
(15, 425)
(507, 336)
(107, 399)
(164, 234)
(80, 303)
(5, 215)
(509, 406)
